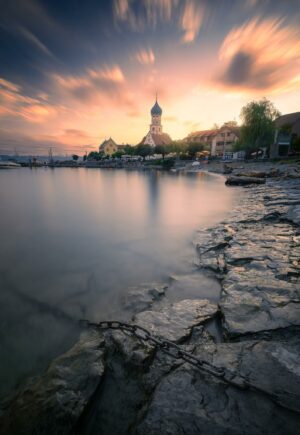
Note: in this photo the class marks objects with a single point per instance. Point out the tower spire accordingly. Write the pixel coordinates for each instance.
(156, 96)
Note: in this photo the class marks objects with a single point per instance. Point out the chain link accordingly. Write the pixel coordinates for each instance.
(172, 349)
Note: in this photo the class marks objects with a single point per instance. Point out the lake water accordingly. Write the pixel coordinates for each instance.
(74, 240)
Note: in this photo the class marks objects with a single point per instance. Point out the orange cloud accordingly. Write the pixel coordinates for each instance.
(94, 85)
(4, 84)
(260, 55)
(114, 74)
(191, 20)
(145, 57)
(16, 104)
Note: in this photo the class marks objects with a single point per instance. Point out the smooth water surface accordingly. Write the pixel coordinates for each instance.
(74, 240)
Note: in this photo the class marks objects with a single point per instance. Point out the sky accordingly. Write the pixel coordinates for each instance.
(73, 73)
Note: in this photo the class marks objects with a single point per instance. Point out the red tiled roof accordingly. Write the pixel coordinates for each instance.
(213, 132)
(203, 133)
(158, 139)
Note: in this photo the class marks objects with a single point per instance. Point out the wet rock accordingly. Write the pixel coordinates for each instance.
(243, 181)
(143, 297)
(53, 403)
(193, 402)
(176, 321)
(260, 290)
(294, 214)
(259, 174)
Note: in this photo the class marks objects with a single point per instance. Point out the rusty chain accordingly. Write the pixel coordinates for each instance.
(173, 350)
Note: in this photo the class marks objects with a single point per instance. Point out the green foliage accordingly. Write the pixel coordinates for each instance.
(238, 146)
(194, 147)
(161, 149)
(178, 147)
(94, 155)
(168, 163)
(143, 150)
(257, 124)
(84, 157)
(118, 154)
(129, 150)
(75, 157)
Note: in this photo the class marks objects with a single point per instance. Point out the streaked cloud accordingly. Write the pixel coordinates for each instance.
(93, 84)
(159, 10)
(138, 14)
(15, 103)
(145, 56)
(35, 41)
(9, 86)
(262, 54)
(191, 20)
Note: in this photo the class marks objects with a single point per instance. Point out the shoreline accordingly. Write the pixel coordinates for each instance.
(255, 255)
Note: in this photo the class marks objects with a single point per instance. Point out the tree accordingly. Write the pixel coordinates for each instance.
(194, 147)
(258, 126)
(118, 154)
(129, 150)
(75, 157)
(94, 155)
(160, 149)
(143, 150)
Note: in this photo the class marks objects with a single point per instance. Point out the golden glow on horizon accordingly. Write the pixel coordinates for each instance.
(76, 111)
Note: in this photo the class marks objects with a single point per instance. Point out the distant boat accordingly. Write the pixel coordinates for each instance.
(9, 165)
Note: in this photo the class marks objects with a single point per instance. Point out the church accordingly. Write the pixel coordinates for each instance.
(155, 136)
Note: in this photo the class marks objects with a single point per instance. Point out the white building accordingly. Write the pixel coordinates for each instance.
(155, 136)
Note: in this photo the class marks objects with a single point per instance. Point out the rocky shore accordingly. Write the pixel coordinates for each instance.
(113, 383)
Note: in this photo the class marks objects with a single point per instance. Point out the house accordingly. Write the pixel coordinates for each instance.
(108, 147)
(155, 135)
(219, 141)
(287, 128)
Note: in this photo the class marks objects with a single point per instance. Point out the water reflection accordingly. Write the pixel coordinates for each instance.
(73, 241)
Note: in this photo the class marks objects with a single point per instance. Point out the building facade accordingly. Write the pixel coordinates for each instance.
(155, 135)
(219, 141)
(108, 147)
(287, 127)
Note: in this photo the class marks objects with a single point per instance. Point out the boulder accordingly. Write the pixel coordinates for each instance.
(54, 403)
(244, 181)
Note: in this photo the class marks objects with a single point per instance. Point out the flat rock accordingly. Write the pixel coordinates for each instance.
(176, 321)
(188, 401)
(143, 297)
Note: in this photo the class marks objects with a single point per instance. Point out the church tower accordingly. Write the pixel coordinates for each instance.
(155, 135)
(156, 112)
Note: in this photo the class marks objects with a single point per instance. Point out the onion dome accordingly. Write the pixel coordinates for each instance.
(156, 109)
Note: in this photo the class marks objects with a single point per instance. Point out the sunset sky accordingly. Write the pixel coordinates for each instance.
(73, 73)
